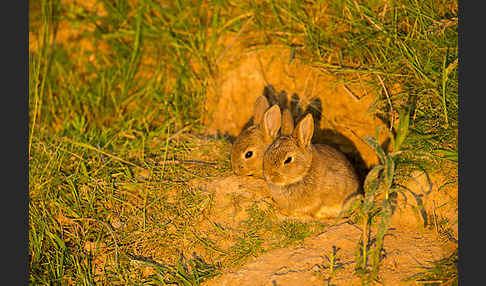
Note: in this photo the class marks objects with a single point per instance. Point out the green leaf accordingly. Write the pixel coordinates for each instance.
(58, 240)
(371, 181)
(374, 144)
(385, 214)
(389, 171)
(402, 129)
(371, 184)
(448, 154)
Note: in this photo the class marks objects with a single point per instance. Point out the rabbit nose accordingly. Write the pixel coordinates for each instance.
(239, 170)
(273, 176)
(267, 175)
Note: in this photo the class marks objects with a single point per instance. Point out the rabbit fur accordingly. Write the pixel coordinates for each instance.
(310, 180)
(250, 145)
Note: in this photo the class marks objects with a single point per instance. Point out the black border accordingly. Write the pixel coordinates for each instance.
(471, 176)
(15, 185)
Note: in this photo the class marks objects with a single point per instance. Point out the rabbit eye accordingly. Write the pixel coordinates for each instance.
(248, 154)
(288, 160)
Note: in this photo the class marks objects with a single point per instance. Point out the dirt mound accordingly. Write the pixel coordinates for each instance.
(233, 195)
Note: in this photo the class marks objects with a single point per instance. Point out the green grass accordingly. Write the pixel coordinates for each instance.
(110, 105)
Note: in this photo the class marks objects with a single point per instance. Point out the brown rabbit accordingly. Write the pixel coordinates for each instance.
(306, 179)
(250, 145)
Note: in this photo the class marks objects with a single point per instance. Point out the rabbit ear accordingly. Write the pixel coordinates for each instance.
(261, 104)
(287, 122)
(271, 121)
(304, 130)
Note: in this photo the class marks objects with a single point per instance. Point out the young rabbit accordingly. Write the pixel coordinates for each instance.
(306, 180)
(248, 149)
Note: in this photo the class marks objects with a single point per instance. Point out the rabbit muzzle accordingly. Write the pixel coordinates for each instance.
(274, 178)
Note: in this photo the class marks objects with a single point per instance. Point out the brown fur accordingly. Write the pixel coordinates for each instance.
(318, 182)
(256, 139)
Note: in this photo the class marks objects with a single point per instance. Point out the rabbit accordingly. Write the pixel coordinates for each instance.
(248, 148)
(306, 180)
